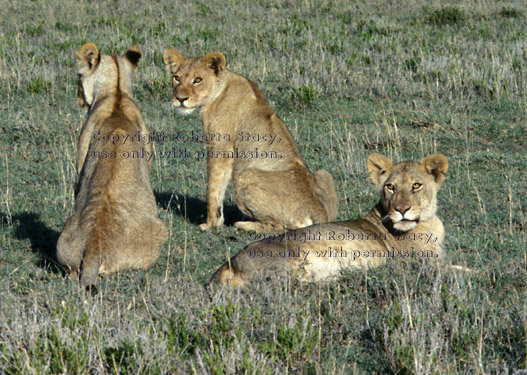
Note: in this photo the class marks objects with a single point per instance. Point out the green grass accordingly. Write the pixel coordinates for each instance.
(349, 79)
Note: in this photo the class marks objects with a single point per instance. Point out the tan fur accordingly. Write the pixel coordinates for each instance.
(115, 224)
(407, 208)
(277, 192)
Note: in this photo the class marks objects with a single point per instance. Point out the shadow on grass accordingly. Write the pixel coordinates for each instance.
(194, 209)
(43, 239)
(374, 356)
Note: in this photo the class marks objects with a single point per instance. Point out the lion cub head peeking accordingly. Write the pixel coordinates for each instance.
(248, 144)
(402, 225)
(115, 225)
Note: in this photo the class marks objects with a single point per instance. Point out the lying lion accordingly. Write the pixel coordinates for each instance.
(402, 225)
(248, 143)
(115, 224)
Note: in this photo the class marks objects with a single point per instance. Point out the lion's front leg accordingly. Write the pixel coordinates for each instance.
(219, 172)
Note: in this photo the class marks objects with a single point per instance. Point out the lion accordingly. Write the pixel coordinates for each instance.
(402, 225)
(248, 144)
(115, 225)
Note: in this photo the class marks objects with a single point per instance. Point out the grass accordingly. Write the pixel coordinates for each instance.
(348, 79)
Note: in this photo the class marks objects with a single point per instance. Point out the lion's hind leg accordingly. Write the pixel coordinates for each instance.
(139, 248)
(227, 275)
(259, 259)
(258, 227)
(325, 191)
(277, 199)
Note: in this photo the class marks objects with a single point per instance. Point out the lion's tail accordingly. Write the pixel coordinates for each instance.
(91, 264)
(100, 241)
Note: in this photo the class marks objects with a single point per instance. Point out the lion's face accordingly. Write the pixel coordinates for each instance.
(408, 189)
(194, 80)
(104, 74)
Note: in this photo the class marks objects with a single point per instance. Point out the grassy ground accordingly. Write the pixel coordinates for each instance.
(349, 79)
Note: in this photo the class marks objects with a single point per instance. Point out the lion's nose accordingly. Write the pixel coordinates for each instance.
(181, 99)
(402, 209)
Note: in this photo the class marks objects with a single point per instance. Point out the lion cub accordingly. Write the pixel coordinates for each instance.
(402, 225)
(248, 143)
(115, 224)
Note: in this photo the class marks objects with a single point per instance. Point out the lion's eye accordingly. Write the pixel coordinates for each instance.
(197, 80)
(177, 79)
(417, 186)
(389, 187)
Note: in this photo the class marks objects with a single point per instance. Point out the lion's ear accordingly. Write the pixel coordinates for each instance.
(89, 56)
(133, 55)
(173, 59)
(215, 61)
(378, 165)
(436, 165)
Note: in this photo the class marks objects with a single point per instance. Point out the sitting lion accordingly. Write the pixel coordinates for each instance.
(115, 224)
(248, 143)
(402, 225)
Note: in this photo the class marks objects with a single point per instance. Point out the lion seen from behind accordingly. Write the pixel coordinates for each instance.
(115, 224)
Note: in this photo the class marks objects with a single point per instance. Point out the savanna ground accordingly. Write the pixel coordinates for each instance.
(349, 79)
